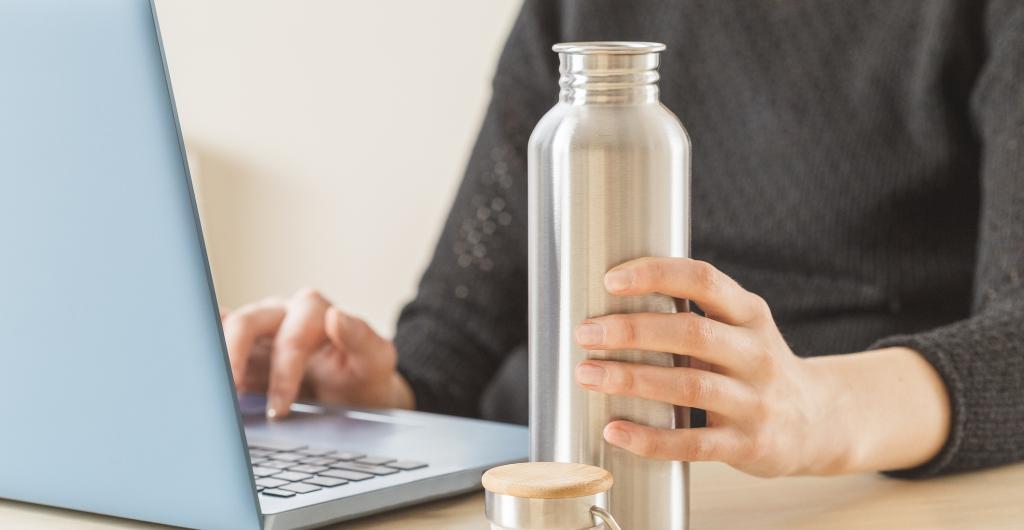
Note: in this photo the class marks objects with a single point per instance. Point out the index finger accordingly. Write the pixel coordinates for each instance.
(301, 333)
(718, 295)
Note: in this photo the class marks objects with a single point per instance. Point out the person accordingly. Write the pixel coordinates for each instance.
(858, 242)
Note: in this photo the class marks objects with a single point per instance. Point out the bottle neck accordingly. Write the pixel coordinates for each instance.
(608, 78)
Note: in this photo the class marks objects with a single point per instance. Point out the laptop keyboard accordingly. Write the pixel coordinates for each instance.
(287, 470)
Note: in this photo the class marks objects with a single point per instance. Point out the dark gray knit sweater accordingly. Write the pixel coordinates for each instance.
(859, 164)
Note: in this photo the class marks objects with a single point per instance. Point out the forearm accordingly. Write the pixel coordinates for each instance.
(887, 409)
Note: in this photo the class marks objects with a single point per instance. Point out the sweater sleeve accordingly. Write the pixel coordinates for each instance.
(470, 309)
(981, 359)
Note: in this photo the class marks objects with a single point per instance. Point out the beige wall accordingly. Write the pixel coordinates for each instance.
(329, 136)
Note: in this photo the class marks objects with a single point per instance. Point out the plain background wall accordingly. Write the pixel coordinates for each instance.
(329, 136)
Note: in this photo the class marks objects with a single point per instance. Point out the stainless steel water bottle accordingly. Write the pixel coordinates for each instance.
(609, 181)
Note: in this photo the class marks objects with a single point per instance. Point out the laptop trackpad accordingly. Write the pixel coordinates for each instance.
(314, 423)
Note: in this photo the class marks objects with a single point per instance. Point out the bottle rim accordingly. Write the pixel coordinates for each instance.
(608, 47)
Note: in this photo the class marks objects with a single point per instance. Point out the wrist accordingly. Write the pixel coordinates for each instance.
(884, 409)
(401, 393)
(835, 448)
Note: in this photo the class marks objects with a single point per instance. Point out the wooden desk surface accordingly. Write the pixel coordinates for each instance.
(723, 499)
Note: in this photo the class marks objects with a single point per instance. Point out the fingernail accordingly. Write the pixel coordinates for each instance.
(618, 280)
(275, 409)
(590, 374)
(616, 436)
(590, 333)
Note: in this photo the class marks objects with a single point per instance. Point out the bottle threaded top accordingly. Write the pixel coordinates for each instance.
(608, 72)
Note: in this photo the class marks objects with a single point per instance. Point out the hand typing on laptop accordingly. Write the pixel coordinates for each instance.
(305, 346)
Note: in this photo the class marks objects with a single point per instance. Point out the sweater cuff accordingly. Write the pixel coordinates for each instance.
(442, 381)
(426, 399)
(424, 384)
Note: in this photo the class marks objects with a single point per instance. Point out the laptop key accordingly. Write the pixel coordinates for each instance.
(306, 468)
(354, 476)
(275, 446)
(326, 482)
(375, 460)
(318, 461)
(407, 465)
(260, 471)
(270, 482)
(346, 455)
(278, 493)
(277, 464)
(287, 457)
(365, 468)
(292, 476)
(315, 451)
(300, 487)
(257, 461)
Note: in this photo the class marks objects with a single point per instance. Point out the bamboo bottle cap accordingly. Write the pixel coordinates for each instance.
(547, 480)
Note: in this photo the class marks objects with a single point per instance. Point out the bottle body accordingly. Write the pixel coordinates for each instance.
(608, 182)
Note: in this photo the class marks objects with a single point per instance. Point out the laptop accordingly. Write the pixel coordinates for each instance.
(115, 389)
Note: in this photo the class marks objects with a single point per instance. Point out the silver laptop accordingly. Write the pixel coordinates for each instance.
(115, 390)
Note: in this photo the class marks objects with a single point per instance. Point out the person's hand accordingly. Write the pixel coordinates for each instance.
(305, 345)
(766, 407)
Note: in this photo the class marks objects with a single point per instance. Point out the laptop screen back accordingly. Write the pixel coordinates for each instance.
(115, 392)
